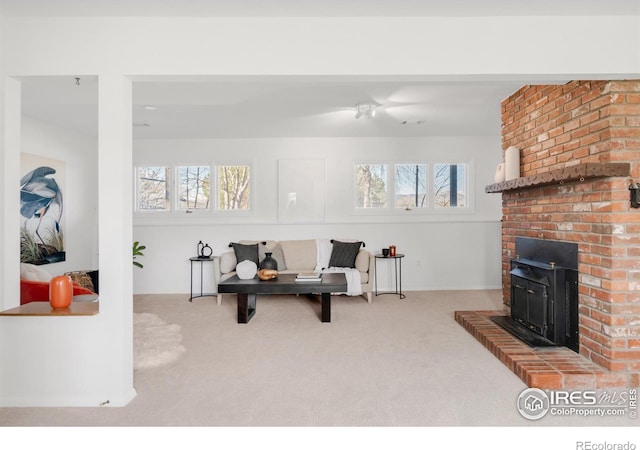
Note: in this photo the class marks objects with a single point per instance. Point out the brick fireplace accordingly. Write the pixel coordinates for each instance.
(579, 150)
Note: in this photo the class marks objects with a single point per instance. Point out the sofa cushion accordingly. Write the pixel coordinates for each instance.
(228, 262)
(246, 252)
(362, 261)
(299, 254)
(344, 254)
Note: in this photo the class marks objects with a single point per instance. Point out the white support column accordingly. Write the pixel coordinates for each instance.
(115, 182)
(76, 361)
(9, 195)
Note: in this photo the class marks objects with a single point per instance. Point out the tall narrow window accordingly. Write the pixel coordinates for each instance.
(449, 186)
(371, 185)
(193, 187)
(233, 187)
(153, 189)
(411, 186)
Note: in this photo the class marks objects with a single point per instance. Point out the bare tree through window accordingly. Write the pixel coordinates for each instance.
(193, 187)
(233, 187)
(411, 186)
(153, 193)
(371, 185)
(449, 185)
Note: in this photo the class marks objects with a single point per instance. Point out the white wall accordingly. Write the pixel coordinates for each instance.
(80, 155)
(433, 47)
(438, 243)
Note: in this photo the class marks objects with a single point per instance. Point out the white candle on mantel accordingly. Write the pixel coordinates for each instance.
(512, 163)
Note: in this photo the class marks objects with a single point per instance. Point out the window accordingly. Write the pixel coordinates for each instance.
(233, 187)
(153, 193)
(371, 185)
(422, 186)
(193, 187)
(449, 186)
(411, 186)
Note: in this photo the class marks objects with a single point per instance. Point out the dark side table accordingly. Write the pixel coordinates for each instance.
(397, 263)
(197, 259)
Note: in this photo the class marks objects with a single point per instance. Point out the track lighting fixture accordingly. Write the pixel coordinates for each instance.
(367, 110)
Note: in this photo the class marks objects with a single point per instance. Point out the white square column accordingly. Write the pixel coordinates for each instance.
(115, 184)
(10, 119)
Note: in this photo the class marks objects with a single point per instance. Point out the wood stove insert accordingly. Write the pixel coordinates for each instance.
(544, 293)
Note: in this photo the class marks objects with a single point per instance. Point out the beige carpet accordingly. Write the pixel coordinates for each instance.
(391, 363)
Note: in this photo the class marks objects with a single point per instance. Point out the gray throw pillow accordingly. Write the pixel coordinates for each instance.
(343, 254)
(246, 252)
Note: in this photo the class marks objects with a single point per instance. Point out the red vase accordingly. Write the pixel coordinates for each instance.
(60, 291)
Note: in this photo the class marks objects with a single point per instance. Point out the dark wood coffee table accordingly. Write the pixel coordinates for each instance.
(247, 291)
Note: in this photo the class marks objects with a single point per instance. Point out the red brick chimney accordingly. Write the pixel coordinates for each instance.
(572, 138)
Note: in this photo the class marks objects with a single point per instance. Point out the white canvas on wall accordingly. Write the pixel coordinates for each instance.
(301, 190)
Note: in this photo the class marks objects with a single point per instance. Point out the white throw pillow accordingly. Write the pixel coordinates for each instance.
(31, 272)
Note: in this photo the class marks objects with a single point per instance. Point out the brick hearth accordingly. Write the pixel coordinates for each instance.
(544, 368)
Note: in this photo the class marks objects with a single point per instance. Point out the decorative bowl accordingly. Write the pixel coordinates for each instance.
(267, 274)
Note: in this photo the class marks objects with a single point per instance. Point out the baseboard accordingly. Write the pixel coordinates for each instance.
(65, 402)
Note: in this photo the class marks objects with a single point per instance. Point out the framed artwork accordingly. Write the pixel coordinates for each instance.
(41, 210)
(301, 190)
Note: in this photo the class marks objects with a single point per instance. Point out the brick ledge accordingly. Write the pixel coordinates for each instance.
(544, 368)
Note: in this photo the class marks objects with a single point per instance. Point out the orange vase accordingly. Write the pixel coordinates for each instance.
(60, 291)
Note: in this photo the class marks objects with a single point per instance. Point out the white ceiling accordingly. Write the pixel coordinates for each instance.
(274, 107)
(253, 108)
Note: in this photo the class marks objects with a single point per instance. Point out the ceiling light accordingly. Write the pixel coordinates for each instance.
(150, 108)
(367, 110)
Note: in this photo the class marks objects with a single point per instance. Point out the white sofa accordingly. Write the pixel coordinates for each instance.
(299, 256)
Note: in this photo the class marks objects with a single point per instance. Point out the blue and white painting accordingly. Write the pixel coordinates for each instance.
(41, 210)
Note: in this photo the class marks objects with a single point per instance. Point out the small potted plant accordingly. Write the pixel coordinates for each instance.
(137, 251)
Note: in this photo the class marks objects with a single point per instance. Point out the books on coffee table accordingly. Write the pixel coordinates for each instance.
(309, 277)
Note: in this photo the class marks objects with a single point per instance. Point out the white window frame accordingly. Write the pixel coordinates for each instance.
(468, 183)
(136, 189)
(176, 184)
(174, 212)
(430, 209)
(252, 175)
(428, 187)
(371, 210)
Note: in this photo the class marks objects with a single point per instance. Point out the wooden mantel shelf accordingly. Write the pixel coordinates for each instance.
(579, 172)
